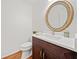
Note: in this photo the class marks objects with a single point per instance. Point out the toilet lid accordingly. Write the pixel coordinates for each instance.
(26, 49)
(26, 45)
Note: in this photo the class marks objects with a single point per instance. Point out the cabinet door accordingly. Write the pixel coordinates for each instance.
(39, 52)
(36, 50)
(72, 55)
(49, 55)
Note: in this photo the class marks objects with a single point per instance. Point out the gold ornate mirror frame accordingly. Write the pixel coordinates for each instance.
(70, 14)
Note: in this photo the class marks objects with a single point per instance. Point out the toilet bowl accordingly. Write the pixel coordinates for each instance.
(26, 49)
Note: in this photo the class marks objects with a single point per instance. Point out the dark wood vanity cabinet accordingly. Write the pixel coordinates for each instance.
(45, 50)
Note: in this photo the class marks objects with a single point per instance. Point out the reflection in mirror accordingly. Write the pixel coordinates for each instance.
(57, 16)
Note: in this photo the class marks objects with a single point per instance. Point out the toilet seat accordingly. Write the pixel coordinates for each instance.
(26, 46)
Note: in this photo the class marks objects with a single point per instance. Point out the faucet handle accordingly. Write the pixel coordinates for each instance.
(66, 34)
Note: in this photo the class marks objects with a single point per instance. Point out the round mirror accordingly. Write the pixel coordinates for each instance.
(59, 16)
(56, 16)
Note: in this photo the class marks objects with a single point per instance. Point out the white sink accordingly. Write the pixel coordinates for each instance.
(69, 43)
(51, 36)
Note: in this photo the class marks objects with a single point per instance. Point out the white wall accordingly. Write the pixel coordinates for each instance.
(16, 24)
(39, 20)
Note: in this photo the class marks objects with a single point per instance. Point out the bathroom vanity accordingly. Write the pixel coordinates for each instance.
(43, 49)
(55, 46)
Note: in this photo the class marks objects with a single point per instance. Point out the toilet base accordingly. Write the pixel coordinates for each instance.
(26, 55)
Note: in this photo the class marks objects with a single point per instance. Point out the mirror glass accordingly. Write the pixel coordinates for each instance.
(57, 16)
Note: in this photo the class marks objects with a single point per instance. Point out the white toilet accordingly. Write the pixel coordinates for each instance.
(26, 49)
